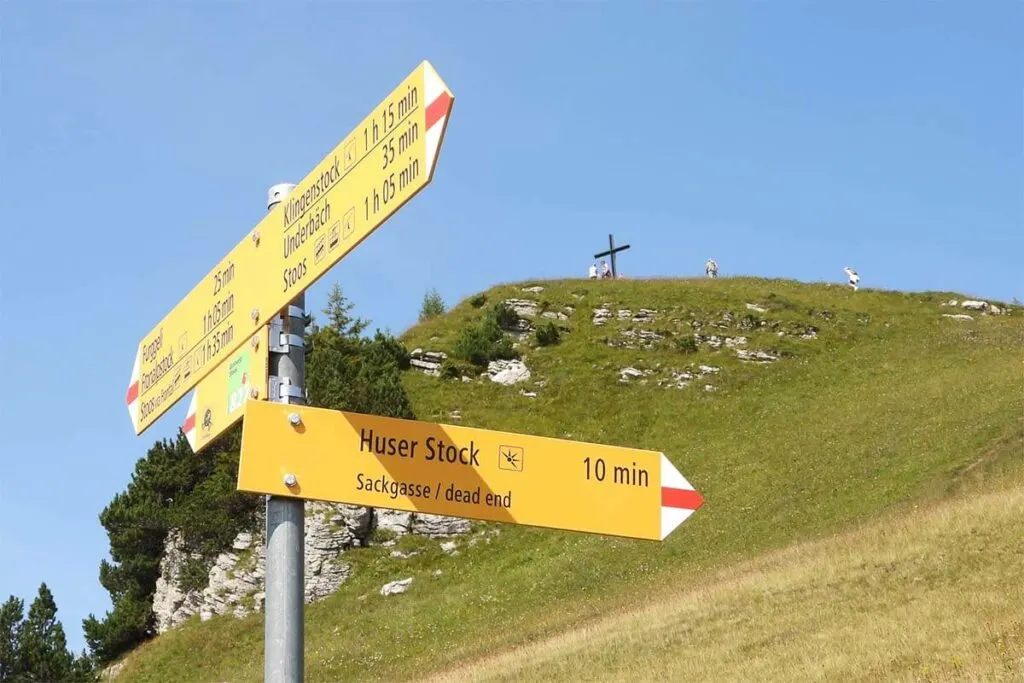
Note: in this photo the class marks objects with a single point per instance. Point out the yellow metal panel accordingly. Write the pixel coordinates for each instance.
(386, 160)
(461, 471)
(218, 401)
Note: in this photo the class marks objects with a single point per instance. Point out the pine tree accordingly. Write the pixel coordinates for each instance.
(42, 645)
(11, 614)
(433, 305)
(338, 314)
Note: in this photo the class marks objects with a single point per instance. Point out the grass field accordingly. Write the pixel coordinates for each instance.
(890, 407)
(931, 595)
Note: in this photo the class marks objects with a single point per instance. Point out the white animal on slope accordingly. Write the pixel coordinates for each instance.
(852, 274)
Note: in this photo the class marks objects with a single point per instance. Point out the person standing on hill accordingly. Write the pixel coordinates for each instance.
(852, 275)
(711, 268)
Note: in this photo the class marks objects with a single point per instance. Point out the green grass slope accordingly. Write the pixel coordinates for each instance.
(889, 406)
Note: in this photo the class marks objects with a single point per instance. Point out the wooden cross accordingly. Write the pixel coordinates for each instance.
(612, 251)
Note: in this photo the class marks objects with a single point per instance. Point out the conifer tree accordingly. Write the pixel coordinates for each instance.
(433, 305)
(11, 615)
(42, 647)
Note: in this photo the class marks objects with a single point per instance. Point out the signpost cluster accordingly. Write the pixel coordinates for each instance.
(237, 341)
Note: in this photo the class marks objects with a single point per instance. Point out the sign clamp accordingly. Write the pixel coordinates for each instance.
(282, 388)
(280, 341)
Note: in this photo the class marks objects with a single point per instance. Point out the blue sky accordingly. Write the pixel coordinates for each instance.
(785, 139)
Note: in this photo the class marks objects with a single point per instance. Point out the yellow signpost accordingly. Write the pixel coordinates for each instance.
(320, 454)
(219, 399)
(386, 160)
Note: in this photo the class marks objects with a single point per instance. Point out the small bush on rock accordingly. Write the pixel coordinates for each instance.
(687, 344)
(503, 316)
(453, 369)
(548, 334)
(485, 341)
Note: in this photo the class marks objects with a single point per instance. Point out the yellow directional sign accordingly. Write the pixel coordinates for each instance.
(386, 160)
(219, 399)
(461, 472)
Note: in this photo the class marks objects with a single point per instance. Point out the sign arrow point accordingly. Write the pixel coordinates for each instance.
(679, 500)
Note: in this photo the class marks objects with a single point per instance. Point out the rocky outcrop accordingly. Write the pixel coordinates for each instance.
(626, 374)
(396, 587)
(756, 356)
(236, 578)
(427, 362)
(527, 307)
(637, 338)
(507, 372)
(601, 315)
(422, 524)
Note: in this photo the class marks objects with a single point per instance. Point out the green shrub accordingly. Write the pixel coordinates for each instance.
(548, 334)
(453, 369)
(478, 301)
(484, 342)
(687, 344)
(503, 316)
(194, 575)
(433, 305)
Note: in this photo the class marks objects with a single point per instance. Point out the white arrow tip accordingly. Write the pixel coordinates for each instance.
(679, 500)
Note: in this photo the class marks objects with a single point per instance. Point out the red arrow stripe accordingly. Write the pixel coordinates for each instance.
(437, 109)
(680, 498)
(190, 423)
(133, 393)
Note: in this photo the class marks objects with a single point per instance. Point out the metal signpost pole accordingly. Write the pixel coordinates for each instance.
(285, 563)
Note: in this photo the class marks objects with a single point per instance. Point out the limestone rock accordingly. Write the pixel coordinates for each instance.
(236, 578)
(958, 316)
(537, 289)
(678, 380)
(507, 372)
(708, 370)
(396, 587)
(756, 356)
(974, 305)
(172, 606)
(644, 315)
(427, 362)
(525, 307)
(634, 338)
(438, 525)
(554, 315)
(755, 307)
(601, 315)
(628, 373)
(395, 521)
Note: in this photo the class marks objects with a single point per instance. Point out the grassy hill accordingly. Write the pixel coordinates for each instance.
(876, 404)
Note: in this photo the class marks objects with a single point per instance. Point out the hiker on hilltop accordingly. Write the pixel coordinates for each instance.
(852, 274)
(605, 270)
(593, 271)
(711, 268)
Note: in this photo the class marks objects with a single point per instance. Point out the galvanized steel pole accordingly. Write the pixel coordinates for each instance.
(284, 633)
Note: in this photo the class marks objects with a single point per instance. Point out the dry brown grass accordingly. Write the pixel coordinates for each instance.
(933, 595)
